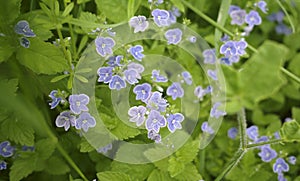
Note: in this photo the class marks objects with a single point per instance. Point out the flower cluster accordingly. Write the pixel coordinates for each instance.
(267, 154)
(77, 116)
(119, 71)
(280, 28)
(156, 112)
(232, 50)
(22, 28)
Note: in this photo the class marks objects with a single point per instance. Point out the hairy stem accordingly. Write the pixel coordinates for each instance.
(265, 143)
(224, 30)
(237, 157)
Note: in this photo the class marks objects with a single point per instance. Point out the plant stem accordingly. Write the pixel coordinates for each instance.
(237, 157)
(265, 143)
(202, 162)
(212, 22)
(70, 161)
(242, 128)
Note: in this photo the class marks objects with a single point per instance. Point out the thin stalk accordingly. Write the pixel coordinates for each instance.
(202, 162)
(224, 30)
(242, 128)
(264, 143)
(64, 47)
(237, 157)
(70, 161)
(287, 15)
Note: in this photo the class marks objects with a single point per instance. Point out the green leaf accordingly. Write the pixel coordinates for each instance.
(45, 148)
(130, 8)
(296, 114)
(175, 167)
(260, 76)
(58, 78)
(9, 11)
(114, 10)
(290, 131)
(118, 128)
(85, 146)
(136, 171)
(81, 78)
(18, 132)
(68, 9)
(6, 50)
(88, 18)
(184, 155)
(42, 57)
(22, 167)
(190, 172)
(113, 176)
(56, 166)
(157, 175)
(295, 64)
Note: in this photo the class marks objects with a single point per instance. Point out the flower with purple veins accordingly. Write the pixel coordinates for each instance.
(173, 36)
(85, 121)
(280, 166)
(292, 160)
(262, 5)
(175, 90)
(206, 128)
(22, 28)
(3, 165)
(174, 121)
(156, 77)
(65, 119)
(161, 17)
(115, 61)
(78, 103)
(137, 114)
(253, 18)
(132, 76)
(104, 149)
(139, 23)
(138, 67)
(154, 136)
(209, 56)
(267, 154)
(136, 52)
(252, 132)
(156, 102)
(228, 49)
(241, 46)
(215, 112)
(212, 74)
(233, 8)
(238, 17)
(6, 150)
(24, 42)
(187, 77)
(55, 100)
(105, 74)
(117, 83)
(232, 132)
(104, 45)
(155, 121)
(142, 91)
